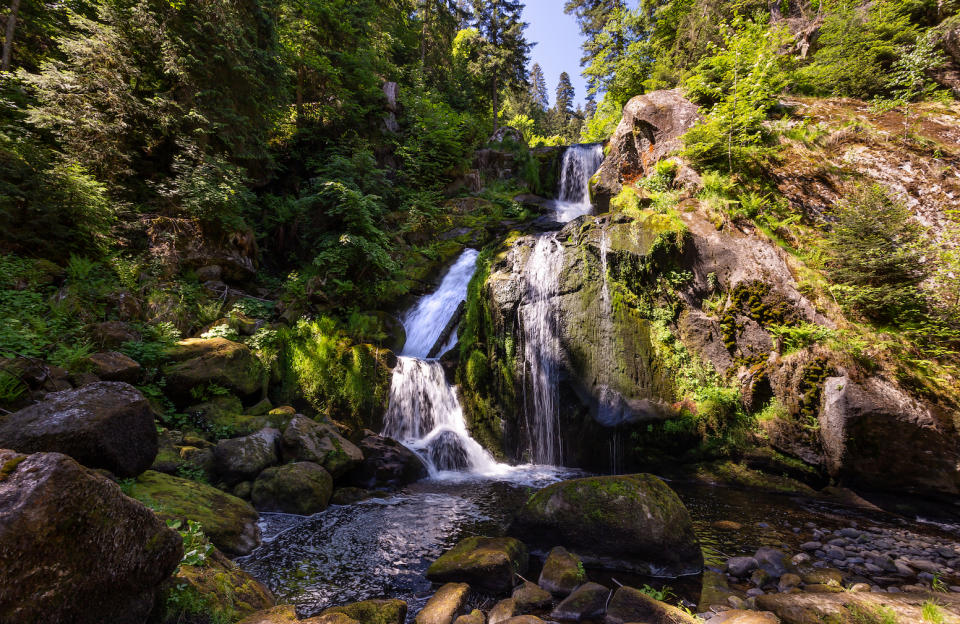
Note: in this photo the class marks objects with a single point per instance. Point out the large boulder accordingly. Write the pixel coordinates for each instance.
(650, 130)
(302, 488)
(106, 425)
(242, 459)
(630, 522)
(875, 436)
(489, 564)
(201, 362)
(73, 548)
(229, 522)
(386, 463)
(307, 440)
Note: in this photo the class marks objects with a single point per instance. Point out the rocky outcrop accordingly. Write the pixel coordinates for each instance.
(386, 464)
(633, 523)
(875, 436)
(302, 488)
(201, 362)
(650, 130)
(489, 564)
(106, 425)
(73, 548)
(229, 522)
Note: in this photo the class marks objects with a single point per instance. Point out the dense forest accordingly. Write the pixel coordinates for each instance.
(229, 205)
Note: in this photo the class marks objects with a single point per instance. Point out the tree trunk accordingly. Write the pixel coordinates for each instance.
(496, 105)
(300, 72)
(8, 39)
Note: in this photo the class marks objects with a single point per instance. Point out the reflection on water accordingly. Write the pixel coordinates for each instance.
(382, 547)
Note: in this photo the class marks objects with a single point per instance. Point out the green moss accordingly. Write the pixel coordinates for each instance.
(814, 374)
(10, 466)
(373, 611)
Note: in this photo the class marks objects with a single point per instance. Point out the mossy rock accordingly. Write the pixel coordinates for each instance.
(632, 605)
(229, 522)
(444, 606)
(287, 614)
(386, 611)
(217, 590)
(562, 572)
(631, 522)
(489, 564)
(201, 362)
(735, 474)
(587, 602)
(530, 597)
(302, 488)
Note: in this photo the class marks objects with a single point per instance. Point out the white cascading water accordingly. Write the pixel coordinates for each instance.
(579, 163)
(424, 412)
(538, 316)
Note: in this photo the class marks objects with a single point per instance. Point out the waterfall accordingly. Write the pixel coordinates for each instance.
(424, 412)
(538, 313)
(579, 163)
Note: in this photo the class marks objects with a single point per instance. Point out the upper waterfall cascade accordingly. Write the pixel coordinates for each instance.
(579, 164)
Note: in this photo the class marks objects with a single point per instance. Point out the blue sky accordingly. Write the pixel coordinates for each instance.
(558, 44)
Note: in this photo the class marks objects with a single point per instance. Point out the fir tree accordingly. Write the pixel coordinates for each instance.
(538, 87)
(504, 51)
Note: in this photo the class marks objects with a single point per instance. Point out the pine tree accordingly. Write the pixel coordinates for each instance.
(565, 95)
(538, 87)
(594, 17)
(504, 51)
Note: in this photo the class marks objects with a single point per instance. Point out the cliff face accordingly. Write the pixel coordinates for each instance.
(684, 334)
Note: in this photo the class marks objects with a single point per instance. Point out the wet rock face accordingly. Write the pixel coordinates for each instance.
(386, 463)
(73, 548)
(874, 436)
(106, 425)
(634, 523)
(651, 128)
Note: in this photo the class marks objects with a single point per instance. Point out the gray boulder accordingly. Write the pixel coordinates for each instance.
(106, 425)
(73, 548)
(307, 440)
(242, 459)
(302, 488)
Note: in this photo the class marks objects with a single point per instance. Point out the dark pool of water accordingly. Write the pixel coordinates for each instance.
(382, 547)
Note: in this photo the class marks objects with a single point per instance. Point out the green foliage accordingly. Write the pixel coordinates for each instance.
(196, 547)
(221, 331)
(664, 594)
(870, 615)
(910, 77)
(932, 612)
(601, 125)
(739, 81)
(876, 256)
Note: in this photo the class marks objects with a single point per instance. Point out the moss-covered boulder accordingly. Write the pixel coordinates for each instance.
(489, 564)
(502, 611)
(630, 522)
(474, 617)
(632, 605)
(448, 603)
(305, 439)
(562, 572)
(230, 523)
(385, 611)
(217, 591)
(73, 548)
(106, 425)
(286, 614)
(242, 459)
(302, 488)
(202, 362)
(530, 597)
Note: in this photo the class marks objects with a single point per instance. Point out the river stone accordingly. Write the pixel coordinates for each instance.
(773, 561)
(107, 425)
(73, 548)
(524, 619)
(632, 605)
(825, 576)
(562, 572)
(381, 611)
(530, 597)
(444, 606)
(242, 459)
(740, 567)
(229, 522)
(487, 563)
(587, 602)
(631, 522)
(474, 617)
(202, 362)
(303, 488)
(714, 590)
(737, 616)
(502, 611)
(307, 440)
(114, 366)
(386, 463)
